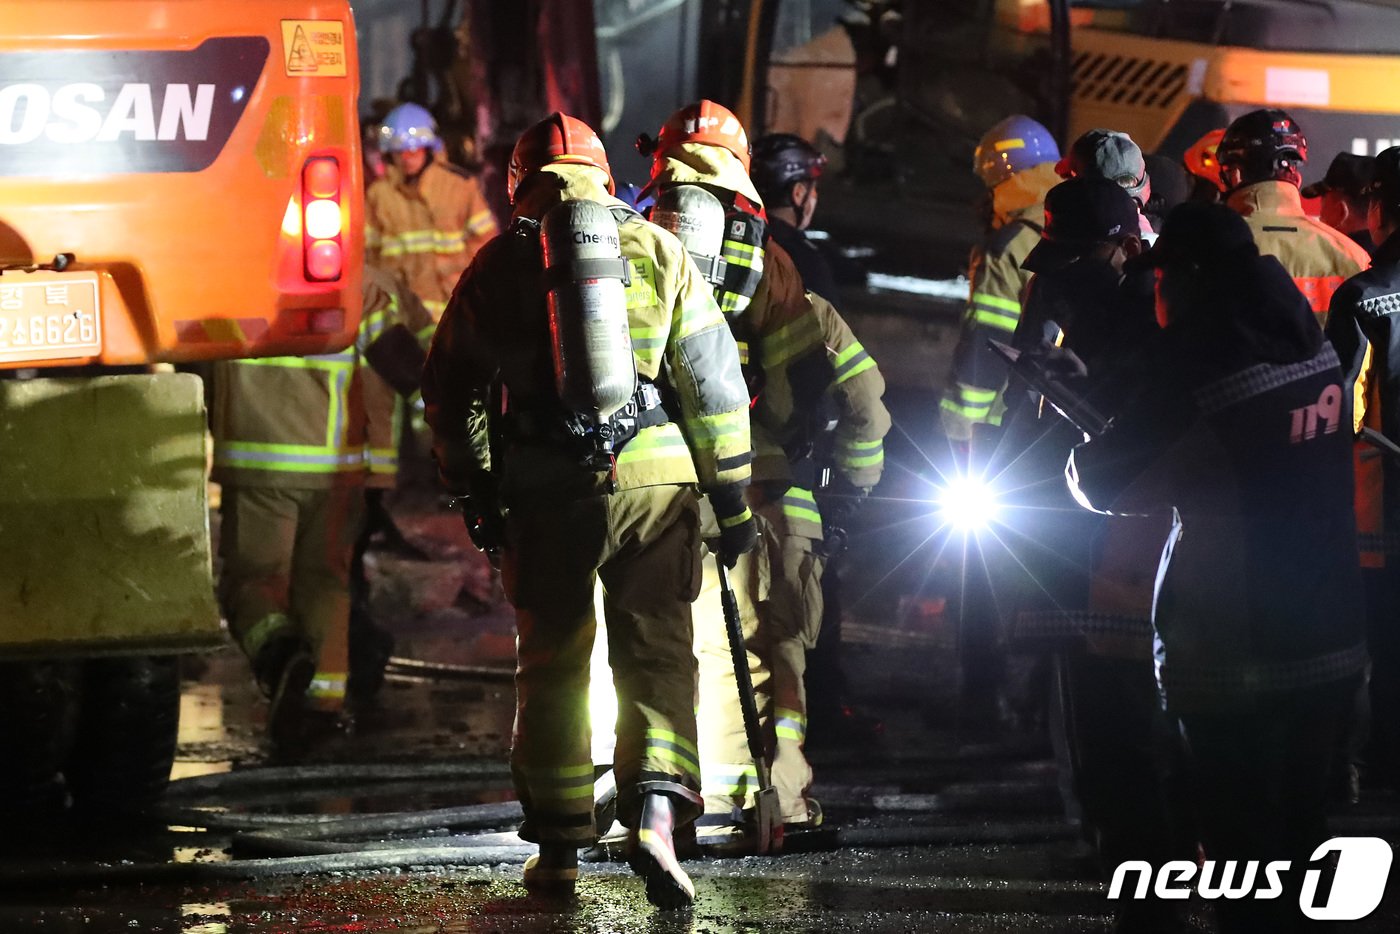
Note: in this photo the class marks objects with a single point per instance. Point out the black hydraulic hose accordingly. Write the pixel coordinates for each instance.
(440, 671)
(68, 874)
(283, 839)
(322, 776)
(476, 850)
(323, 826)
(273, 845)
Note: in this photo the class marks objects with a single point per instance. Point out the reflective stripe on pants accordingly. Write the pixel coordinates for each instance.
(287, 552)
(778, 587)
(643, 545)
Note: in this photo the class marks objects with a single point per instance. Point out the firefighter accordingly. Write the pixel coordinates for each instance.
(426, 218)
(391, 330)
(1200, 162)
(289, 451)
(568, 497)
(1260, 158)
(1361, 328)
(703, 146)
(786, 172)
(1344, 198)
(1016, 162)
(1257, 613)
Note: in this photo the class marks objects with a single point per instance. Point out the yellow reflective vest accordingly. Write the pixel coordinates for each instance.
(496, 328)
(427, 230)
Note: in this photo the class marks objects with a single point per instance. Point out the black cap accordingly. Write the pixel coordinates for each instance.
(1079, 214)
(1170, 185)
(1349, 174)
(1201, 233)
(1385, 178)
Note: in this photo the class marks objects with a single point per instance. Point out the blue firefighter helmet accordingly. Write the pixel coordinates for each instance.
(408, 126)
(1013, 145)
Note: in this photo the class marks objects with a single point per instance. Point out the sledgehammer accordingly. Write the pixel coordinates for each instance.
(767, 813)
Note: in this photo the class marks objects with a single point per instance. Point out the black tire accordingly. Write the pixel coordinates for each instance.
(38, 710)
(124, 744)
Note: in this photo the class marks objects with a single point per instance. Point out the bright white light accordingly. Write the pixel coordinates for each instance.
(968, 503)
(323, 219)
(602, 698)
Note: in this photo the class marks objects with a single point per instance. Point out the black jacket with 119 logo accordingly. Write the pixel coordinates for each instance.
(1243, 437)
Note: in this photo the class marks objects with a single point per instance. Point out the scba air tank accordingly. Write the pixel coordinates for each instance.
(697, 219)
(594, 370)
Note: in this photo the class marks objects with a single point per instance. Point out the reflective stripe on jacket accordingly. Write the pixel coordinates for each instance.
(289, 421)
(1318, 258)
(497, 324)
(388, 302)
(427, 230)
(978, 377)
(778, 327)
(858, 449)
(862, 419)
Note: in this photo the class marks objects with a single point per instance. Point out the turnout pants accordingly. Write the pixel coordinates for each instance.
(643, 545)
(778, 588)
(794, 622)
(286, 572)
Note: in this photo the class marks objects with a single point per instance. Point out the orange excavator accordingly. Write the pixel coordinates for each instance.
(179, 182)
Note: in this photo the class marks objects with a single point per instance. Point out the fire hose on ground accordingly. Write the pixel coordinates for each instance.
(280, 845)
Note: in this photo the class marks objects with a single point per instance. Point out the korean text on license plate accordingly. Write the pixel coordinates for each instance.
(49, 316)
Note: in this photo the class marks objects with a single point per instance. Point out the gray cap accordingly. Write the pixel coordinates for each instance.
(1111, 155)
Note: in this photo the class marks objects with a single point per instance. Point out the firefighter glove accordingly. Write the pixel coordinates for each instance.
(485, 525)
(840, 500)
(481, 512)
(738, 533)
(455, 465)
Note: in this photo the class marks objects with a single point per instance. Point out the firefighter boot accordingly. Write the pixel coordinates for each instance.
(553, 871)
(652, 854)
(285, 668)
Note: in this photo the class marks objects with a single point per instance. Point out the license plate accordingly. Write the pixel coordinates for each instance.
(49, 316)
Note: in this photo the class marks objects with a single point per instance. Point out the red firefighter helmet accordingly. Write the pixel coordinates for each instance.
(558, 139)
(1201, 160)
(705, 122)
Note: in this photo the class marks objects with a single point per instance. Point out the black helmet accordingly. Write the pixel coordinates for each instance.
(1261, 142)
(780, 160)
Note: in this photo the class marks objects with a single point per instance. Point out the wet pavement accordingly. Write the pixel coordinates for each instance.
(928, 828)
